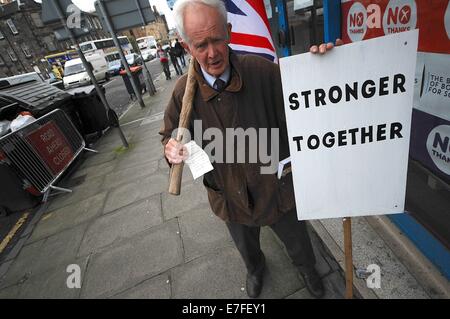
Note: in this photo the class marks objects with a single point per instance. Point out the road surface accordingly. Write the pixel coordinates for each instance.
(116, 92)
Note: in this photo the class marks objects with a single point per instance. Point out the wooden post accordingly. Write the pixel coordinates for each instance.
(348, 257)
(176, 171)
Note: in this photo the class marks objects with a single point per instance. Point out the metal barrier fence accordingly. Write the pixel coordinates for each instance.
(42, 151)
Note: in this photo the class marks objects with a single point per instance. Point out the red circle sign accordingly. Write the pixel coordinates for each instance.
(405, 14)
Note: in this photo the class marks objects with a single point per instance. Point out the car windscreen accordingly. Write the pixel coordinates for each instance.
(74, 69)
(130, 59)
(86, 47)
(115, 63)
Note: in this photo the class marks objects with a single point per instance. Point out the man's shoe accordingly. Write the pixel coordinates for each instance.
(313, 283)
(254, 285)
(255, 282)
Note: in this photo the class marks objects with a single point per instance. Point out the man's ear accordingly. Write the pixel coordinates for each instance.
(229, 27)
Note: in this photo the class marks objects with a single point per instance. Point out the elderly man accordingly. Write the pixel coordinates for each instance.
(239, 91)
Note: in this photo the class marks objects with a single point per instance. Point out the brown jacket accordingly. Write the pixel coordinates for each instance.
(252, 99)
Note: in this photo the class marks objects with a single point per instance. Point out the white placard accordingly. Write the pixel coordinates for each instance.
(348, 116)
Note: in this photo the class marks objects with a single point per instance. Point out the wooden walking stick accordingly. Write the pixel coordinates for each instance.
(348, 257)
(176, 171)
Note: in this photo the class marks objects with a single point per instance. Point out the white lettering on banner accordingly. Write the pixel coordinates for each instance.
(356, 22)
(48, 135)
(373, 16)
(54, 145)
(438, 146)
(400, 16)
(62, 155)
(348, 117)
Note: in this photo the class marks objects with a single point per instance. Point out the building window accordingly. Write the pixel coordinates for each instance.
(89, 23)
(11, 25)
(96, 23)
(1, 36)
(12, 55)
(26, 51)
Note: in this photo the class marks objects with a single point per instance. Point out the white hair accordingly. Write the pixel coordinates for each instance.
(181, 5)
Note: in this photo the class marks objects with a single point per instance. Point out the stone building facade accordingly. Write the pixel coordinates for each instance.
(159, 28)
(25, 40)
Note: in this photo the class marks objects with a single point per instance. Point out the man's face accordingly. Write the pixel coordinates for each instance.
(208, 38)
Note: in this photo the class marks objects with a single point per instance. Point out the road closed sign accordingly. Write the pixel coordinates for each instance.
(348, 117)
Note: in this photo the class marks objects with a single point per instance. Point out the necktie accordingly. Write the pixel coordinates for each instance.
(219, 85)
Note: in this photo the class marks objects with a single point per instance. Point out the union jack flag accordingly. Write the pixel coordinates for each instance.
(251, 31)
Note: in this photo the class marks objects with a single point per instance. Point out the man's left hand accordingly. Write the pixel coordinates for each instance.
(324, 47)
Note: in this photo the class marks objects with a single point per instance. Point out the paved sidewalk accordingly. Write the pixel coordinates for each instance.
(131, 239)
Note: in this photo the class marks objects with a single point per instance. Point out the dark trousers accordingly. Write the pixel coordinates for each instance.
(183, 61)
(293, 234)
(166, 69)
(177, 66)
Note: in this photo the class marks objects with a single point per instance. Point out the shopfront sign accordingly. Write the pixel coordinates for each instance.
(367, 19)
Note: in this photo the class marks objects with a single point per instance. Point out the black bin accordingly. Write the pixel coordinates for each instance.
(38, 98)
(91, 111)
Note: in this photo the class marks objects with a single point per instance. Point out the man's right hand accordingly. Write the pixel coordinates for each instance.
(175, 152)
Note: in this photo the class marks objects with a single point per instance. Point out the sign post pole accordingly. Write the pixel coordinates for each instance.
(347, 222)
(148, 78)
(137, 91)
(87, 66)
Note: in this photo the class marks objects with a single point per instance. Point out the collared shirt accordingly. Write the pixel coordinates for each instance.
(211, 79)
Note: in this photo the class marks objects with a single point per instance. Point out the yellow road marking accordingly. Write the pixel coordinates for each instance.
(13, 231)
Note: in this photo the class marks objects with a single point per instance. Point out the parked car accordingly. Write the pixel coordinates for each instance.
(133, 60)
(21, 78)
(148, 54)
(76, 75)
(114, 67)
(113, 60)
